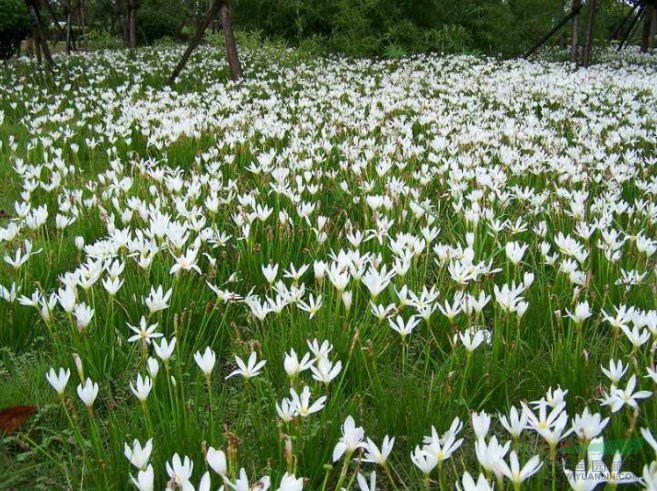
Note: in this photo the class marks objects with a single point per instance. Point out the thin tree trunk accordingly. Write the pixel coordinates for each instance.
(552, 32)
(588, 46)
(53, 16)
(112, 25)
(37, 32)
(69, 19)
(229, 40)
(645, 37)
(132, 16)
(196, 39)
(116, 19)
(652, 12)
(81, 23)
(619, 28)
(126, 30)
(576, 7)
(631, 28)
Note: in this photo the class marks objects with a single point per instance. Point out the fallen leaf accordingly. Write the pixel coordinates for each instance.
(14, 417)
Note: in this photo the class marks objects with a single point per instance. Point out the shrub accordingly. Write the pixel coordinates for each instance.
(153, 25)
(99, 39)
(14, 26)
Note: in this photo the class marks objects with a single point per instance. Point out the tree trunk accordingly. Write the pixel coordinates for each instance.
(132, 16)
(588, 46)
(219, 7)
(647, 20)
(229, 40)
(619, 28)
(576, 6)
(53, 17)
(69, 19)
(652, 11)
(631, 28)
(125, 22)
(552, 32)
(81, 23)
(196, 39)
(37, 32)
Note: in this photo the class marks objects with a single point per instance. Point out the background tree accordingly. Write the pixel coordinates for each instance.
(358, 27)
(14, 26)
(39, 31)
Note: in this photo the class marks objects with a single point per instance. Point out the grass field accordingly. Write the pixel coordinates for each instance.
(359, 274)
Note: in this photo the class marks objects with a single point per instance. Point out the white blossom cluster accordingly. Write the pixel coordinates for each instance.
(457, 197)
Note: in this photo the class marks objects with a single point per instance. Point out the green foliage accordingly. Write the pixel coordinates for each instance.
(14, 26)
(368, 27)
(377, 27)
(99, 39)
(154, 24)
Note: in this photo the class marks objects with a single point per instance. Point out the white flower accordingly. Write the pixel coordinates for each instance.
(186, 262)
(286, 410)
(138, 455)
(217, 461)
(153, 367)
(320, 351)
(242, 483)
(424, 460)
(469, 484)
(480, 424)
(205, 484)
(515, 423)
(250, 370)
(83, 315)
(144, 333)
(165, 349)
(441, 448)
(145, 479)
(626, 397)
(143, 387)
(58, 380)
(325, 371)
(180, 472)
(650, 476)
(582, 312)
(363, 485)
(351, 439)
(470, 340)
(112, 286)
(515, 251)
(403, 328)
(587, 426)
(293, 367)
(301, 404)
(313, 305)
(270, 272)
(615, 372)
(205, 361)
(491, 454)
(67, 298)
(517, 475)
(157, 299)
(291, 483)
(88, 392)
(376, 456)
